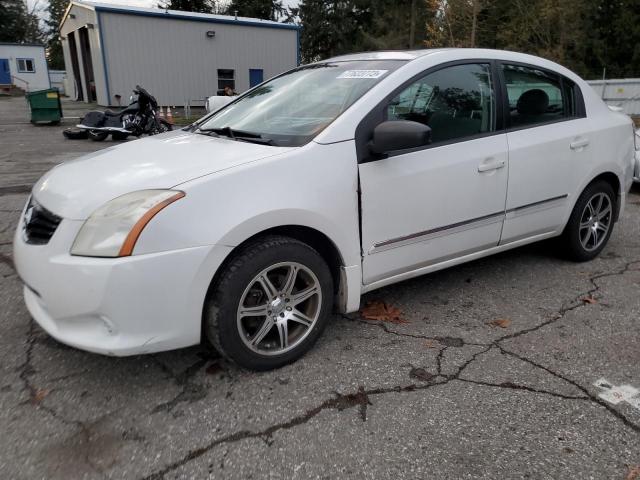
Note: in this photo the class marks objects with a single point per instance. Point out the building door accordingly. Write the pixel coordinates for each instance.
(77, 79)
(255, 77)
(87, 64)
(5, 74)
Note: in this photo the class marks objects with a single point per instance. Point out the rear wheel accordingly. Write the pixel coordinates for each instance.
(119, 136)
(591, 222)
(98, 135)
(270, 304)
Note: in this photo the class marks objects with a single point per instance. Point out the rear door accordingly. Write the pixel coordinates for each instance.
(548, 135)
(444, 200)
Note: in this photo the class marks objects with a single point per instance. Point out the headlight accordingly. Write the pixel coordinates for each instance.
(113, 229)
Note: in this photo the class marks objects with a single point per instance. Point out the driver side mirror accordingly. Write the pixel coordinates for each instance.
(395, 135)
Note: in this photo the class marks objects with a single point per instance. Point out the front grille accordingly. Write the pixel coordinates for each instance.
(39, 223)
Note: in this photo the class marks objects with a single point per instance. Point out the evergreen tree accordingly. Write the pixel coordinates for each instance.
(198, 6)
(18, 24)
(56, 11)
(613, 43)
(264, 9)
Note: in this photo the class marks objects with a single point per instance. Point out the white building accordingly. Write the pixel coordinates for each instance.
(177, 56)
(23, 65)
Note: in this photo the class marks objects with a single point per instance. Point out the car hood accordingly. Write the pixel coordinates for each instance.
(76, 188)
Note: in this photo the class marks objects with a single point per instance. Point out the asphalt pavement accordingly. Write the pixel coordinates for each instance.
(513, 366)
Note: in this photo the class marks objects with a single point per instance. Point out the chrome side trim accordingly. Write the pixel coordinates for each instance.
(436, 232)
(467, 224)
(536, 206)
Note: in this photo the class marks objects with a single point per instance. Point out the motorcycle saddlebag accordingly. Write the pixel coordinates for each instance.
(93, 119)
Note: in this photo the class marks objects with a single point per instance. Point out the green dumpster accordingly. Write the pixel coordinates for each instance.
(45, 106)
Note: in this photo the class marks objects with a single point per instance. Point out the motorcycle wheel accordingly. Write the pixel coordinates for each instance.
(97, 135)
(119, 136)
(163, 126)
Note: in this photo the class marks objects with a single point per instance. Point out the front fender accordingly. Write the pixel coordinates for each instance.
(313, 186)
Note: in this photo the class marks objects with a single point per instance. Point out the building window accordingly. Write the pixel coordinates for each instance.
(26, 65)
(226, 78)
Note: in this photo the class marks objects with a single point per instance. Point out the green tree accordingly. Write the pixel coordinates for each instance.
(264, 9)
(613, 41)
(198, 6)
(335, 27)
(56, 11)
(18, 24)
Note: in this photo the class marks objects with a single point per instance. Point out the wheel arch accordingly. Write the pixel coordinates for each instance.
(613, 180)
(313, 237)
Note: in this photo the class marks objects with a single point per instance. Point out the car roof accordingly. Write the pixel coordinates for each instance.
(387, 55)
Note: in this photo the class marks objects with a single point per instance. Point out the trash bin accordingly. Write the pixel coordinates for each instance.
(45, 106)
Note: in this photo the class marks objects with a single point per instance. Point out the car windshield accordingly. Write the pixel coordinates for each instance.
(293, 108)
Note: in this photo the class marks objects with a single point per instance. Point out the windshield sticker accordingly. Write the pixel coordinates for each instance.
(366, 74)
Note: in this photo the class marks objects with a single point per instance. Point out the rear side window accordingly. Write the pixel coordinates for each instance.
(537, 97)
(455, 102)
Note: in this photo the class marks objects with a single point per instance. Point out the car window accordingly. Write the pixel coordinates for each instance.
(455, 102)
(536, 96)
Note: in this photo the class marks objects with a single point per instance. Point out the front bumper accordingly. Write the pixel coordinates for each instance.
(636, 170)
(116, 306)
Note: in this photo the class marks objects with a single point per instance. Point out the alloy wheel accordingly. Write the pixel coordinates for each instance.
(595, 221)
(279, 308)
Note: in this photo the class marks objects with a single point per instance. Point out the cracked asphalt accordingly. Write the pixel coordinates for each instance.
(443, 395)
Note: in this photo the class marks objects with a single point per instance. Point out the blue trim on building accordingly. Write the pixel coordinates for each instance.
(164, 14)
(103, 50)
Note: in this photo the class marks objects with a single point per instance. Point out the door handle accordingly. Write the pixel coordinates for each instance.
(491, 164)
(579, 143)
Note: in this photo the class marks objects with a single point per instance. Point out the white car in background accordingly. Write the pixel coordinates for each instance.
(331, 180)
(216, 102)
(636, 175)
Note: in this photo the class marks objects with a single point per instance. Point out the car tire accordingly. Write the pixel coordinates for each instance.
(98, 135)
(263, 324)
(591, 222)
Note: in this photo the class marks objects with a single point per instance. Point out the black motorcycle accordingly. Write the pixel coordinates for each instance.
(138, 118)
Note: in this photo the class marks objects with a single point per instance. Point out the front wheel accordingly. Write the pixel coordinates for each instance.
(270, 303)
(98, 135)
(591, 222)
(162, 126)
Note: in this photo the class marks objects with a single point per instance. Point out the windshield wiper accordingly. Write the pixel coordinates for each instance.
(239, 135)
(231, 132)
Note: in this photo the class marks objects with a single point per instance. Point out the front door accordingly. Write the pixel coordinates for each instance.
(255, 77)
(5, 73)
(448, 199)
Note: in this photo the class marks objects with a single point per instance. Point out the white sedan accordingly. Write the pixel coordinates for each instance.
(326, 182)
